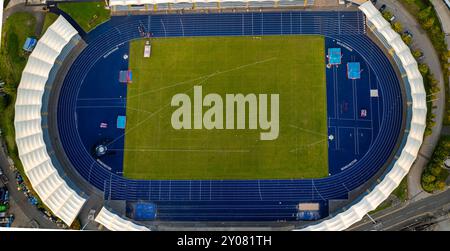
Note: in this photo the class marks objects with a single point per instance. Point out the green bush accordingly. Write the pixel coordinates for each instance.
(397, 26)
(424, 14)
(387, 15)
(407, 39)
(417, 53)
(429, 187)
(434, 175)
(440, 185)
(428, 178)
(424, 70)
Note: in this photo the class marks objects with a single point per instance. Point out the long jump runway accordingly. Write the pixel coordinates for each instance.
(366, 143)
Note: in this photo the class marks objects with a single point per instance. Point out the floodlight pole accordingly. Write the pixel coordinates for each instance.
(370, 217)
(85, 225)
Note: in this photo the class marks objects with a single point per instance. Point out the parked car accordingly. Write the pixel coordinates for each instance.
(3, 178)
(409, 34)
(6, 201)
(10, 220)
(382, 8)
(3, 194)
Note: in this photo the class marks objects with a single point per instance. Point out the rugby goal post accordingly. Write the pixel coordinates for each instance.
(147, 49)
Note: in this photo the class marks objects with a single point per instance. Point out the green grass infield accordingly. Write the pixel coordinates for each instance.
(291, 66)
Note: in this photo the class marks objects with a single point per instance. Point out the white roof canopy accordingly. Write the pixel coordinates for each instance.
(64, 202)
(115, 223)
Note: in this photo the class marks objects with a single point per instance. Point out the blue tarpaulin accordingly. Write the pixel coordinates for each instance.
(353, 70)
(334, 56)
(121, 121)
(30, 43)
(141, 211)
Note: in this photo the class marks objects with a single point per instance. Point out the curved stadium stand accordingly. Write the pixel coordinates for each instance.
(188, 4)
(414, 140)
(62, 200)
(115, 223)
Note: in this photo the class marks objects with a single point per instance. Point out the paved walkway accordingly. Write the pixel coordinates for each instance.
(431, 58)
(446, 130)
(36, 11)
(444, 16)
(14, 2)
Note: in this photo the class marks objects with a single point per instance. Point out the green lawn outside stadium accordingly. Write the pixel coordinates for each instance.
(291, 66)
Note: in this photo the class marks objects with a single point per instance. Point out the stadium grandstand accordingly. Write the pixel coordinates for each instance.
(48, 184)
(64, 199)
(154, 5)
(115, 223)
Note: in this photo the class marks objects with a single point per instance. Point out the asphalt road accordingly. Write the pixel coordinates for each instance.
(396, 218)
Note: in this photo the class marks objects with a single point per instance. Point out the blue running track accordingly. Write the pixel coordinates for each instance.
(359, 148)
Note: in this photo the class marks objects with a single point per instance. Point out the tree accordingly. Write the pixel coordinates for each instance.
(424, 14)
(387, 15)
(407, 39)
(435, 170)
(445, 56)
(429, 23)
(417, 53)
(428, 178)
(429, 187)
(440, 185)
(423, 68)
(397, 27)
